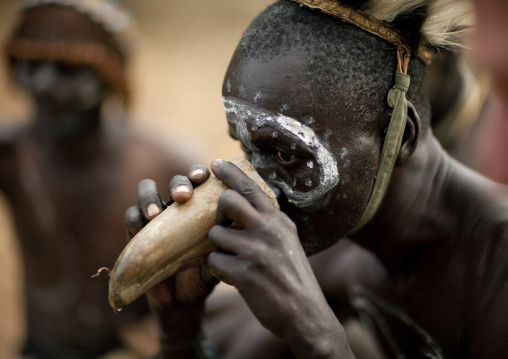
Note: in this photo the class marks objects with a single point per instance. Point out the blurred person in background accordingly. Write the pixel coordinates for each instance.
(491, 52)
(70, 165)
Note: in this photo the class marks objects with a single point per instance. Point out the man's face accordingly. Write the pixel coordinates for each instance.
(60, 86)
(321, 167)
(62, 91)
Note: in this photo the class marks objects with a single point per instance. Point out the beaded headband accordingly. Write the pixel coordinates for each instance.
(70, 46)
(396, 96)
(109, 13)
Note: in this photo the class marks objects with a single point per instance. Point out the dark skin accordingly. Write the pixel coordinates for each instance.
(56, 171)
(433, 252)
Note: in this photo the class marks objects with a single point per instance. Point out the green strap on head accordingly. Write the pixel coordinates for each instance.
(396, 96)
(396, 100)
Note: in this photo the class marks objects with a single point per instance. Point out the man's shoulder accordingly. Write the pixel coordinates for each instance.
(489, 233)
(488, 245)
(346, 265)
(487, 293)
(155, 153)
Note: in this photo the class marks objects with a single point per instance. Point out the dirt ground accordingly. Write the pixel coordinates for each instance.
(179, 60)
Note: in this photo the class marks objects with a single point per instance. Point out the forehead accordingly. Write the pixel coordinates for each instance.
(247, 76)
(329, 96)
(279, 85)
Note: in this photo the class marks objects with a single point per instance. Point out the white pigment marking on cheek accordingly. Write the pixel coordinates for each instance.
(228, 86)
(327, 134)
(293, 146)
(309, 120)
(256, 98)
(284, 107)
(310, 164)
(343, 156)
(329, 176)
(241, 89)
(308, 182)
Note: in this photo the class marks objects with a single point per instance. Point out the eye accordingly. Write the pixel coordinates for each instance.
(285, 158)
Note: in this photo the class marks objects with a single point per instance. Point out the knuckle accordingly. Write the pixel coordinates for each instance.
(275, 228)
(214, 266)
(179, 180)
(255, 254)
(227, 199)
(212, 261)
(246, 187)
(214, 235)
(289, 224)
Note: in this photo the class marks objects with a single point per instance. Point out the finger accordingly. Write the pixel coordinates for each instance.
(233, 208)
(203, 283)
(208, 280)
(224, 267)
(198, 174)
(128, 235)
(149, 198)
(181, 189)
(134, 221)
(227, 240)
(237, 180)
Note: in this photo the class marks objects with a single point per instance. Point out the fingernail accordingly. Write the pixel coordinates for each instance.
(182, 189)
(216, 162)
(153, 210)
(197, 173)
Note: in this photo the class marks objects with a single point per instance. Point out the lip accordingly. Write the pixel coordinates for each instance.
(278, 192)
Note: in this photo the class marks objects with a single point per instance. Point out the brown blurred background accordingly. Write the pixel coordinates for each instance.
(178, 63)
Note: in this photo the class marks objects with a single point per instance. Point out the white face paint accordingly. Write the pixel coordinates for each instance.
(241, 114)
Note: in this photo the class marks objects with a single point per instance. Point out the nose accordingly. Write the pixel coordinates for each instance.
(45, 81)
(267, 169)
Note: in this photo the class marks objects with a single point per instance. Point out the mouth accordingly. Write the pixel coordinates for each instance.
(278, 192)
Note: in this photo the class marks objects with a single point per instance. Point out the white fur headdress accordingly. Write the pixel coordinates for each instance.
(444, 20)
(109, 13)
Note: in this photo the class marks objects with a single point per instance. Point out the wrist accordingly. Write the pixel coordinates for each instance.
(322, 339)
(179, 328)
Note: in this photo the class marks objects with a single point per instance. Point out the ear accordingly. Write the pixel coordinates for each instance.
(411, 135)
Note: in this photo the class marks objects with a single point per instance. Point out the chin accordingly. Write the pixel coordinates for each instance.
(315, 236)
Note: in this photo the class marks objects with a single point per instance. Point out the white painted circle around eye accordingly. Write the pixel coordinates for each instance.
(241, 113)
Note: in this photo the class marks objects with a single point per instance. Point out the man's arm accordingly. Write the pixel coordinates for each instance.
(178, 302)
(262, 257)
